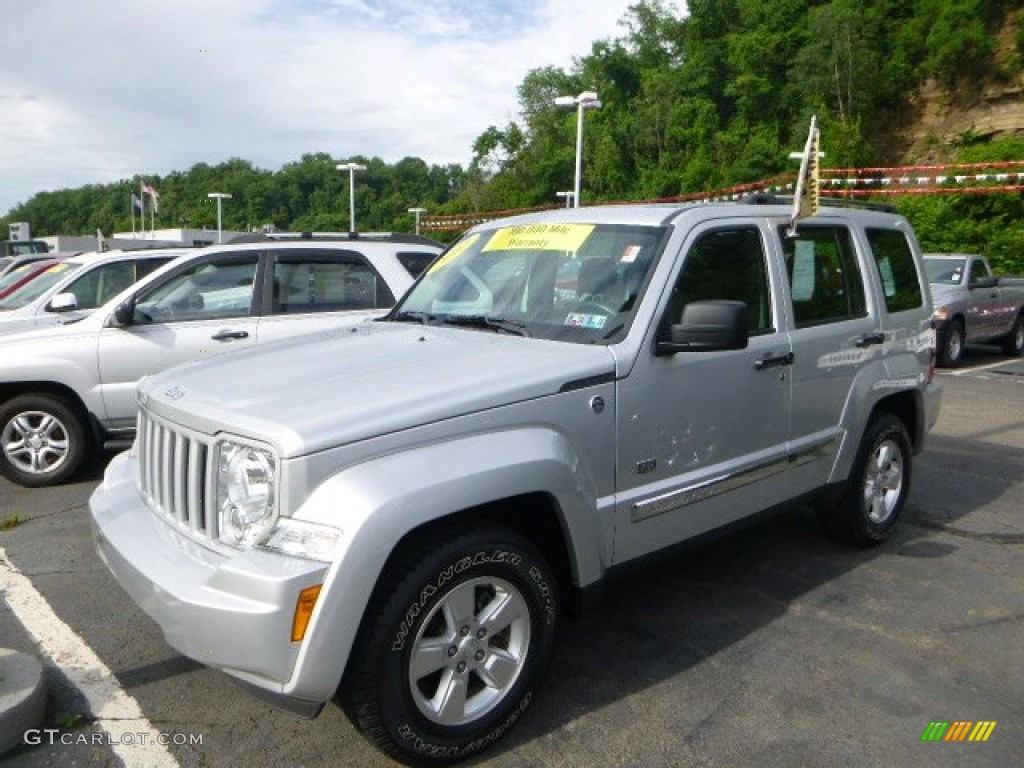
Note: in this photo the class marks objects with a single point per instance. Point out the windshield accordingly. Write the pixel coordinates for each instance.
(944, 271)
(16, 275)
(570, 282)
(36, 287)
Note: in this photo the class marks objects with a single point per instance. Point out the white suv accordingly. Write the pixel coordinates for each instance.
(68, 389)
(77, 285)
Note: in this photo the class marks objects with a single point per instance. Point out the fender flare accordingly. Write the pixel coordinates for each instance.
(379, 502)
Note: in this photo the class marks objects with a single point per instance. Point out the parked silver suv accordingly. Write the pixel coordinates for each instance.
(67, 390)
(399, 513)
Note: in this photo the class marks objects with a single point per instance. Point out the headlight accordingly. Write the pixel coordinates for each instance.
(300, 538)
(941, 314)
(246, 488)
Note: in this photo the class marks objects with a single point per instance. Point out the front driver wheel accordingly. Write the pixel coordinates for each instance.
(951, 345)
(454, 641)
(43, 441)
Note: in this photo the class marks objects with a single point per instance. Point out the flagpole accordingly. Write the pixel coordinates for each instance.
(142, 213)
(131, 209)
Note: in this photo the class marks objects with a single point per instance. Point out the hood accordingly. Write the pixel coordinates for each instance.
(944, 294)
(11, 323)
(329, 389)
(35, 329)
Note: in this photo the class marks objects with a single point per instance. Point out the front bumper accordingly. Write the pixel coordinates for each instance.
(231, 612)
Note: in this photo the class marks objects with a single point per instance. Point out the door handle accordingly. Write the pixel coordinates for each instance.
(229, 335)
(774, 362)
(872, 338)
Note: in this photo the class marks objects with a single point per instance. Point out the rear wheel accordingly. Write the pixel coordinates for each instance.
(456, 637)
(877, 487)
(1013, 344)
(43, 440)
(951, 346)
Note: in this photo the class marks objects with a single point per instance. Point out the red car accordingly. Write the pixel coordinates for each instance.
(18, 276)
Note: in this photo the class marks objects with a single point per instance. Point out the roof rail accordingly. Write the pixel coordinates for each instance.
(387, 237)
(767, 198)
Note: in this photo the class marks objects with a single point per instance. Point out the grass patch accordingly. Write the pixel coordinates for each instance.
(13, 520)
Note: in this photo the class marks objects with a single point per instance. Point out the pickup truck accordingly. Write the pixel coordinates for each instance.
(398, 512)
(973, 306)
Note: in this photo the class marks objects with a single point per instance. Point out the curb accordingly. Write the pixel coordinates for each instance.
(22, 697)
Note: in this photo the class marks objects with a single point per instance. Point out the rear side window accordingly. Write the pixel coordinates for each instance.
(315, 282)
(896, 268)
(825, 280)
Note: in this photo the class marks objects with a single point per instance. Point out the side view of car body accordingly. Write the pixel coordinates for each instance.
(69, 388)
(73, 287)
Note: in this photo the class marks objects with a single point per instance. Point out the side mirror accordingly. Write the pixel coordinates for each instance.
(124, 314)
(63, 302)
(984, 282)
(708, 326)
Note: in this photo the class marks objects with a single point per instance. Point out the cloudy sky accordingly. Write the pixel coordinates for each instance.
(94, 91)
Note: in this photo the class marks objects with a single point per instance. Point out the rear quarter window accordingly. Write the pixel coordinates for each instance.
(896, 269)
(415, 262)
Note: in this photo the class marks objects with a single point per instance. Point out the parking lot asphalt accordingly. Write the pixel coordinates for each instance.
(773, 646)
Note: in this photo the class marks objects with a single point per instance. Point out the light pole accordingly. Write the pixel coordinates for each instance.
(568, 195)
(220, 197)
(351, 168)
(417, 212)
(586, 100)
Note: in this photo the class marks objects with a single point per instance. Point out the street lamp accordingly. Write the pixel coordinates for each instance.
(417, 211)
(351, 168)
(568, 195)
(219, 197)
(586, 100)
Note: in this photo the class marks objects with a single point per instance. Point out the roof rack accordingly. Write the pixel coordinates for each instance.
(767, 198)
(385, 237)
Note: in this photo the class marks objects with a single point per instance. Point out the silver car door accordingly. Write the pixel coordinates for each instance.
(703, 434)
(202, 309)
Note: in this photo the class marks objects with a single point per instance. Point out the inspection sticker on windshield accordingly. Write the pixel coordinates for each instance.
(584, 320)
(542, 237)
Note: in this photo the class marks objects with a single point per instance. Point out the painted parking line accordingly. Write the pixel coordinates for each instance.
(977, 368)
(128, 733)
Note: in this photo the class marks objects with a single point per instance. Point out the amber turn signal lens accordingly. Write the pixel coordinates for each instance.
(303, 611)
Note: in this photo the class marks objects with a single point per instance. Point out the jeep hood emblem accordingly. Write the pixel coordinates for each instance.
(174, 393)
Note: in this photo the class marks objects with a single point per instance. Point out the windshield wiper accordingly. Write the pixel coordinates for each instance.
(409, 317)
(496, 324)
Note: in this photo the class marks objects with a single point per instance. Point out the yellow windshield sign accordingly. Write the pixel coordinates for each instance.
(542, 237)
(453, 253)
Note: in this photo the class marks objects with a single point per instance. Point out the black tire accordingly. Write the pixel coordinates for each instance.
(43, 440)
(951, 345)
(877, 487)
(432, 606)
(1013, 343)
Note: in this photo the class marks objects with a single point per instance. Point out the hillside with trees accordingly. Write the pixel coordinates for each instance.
(689, 104)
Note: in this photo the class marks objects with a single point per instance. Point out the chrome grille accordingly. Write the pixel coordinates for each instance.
(176, 476)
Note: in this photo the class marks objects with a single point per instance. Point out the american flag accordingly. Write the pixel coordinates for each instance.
(153, 195)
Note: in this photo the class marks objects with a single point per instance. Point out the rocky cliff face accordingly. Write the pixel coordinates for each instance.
(946, 121)
(947, 118)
